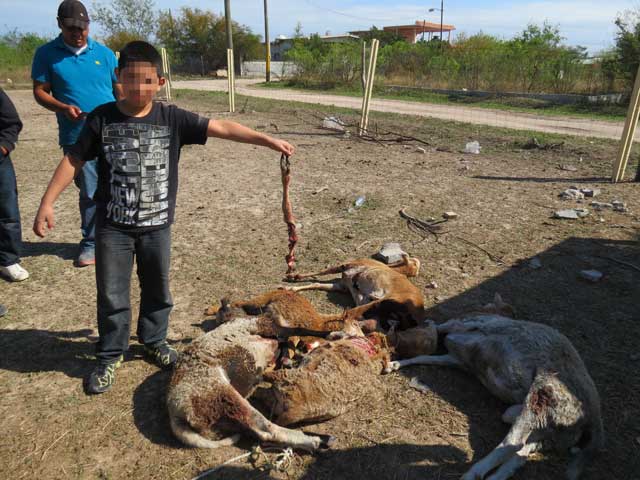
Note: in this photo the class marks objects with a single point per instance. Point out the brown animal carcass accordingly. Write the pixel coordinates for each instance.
(379, 291)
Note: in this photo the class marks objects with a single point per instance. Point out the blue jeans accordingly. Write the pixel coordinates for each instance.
(87, 182)
(10, 227)
(115, 253)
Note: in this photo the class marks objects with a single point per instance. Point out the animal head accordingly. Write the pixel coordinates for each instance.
(412, 265)
(499, 307)
(228, 311)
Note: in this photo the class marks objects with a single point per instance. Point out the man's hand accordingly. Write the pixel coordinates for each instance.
(73, 113)
(282, 146)
(44, 218)
(5, 152)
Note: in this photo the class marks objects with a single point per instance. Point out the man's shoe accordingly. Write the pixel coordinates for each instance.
(103, 376)
(86, 258)
(163, 354)
(14, 273)
(3, 310)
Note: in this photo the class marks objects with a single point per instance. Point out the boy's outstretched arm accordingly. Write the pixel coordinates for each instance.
(67, 170)
(239, 133)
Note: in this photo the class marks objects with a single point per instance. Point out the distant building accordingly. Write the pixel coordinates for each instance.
(282, 44)
(421, 30)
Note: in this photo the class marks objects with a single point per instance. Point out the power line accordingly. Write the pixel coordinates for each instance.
(324, 9)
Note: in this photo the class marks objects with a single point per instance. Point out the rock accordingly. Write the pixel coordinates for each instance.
(590, 192)
(619, 206)
(568, 168)
(593, 276)
(450, 215)
(472, 147)
(432, 285)
(350, 236)
(535, 263)
(600, 205)
(421, 150)
(390, 253)
(571, 194)
(571, 213)
(333, 123)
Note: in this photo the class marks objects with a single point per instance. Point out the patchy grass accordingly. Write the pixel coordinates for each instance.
(515, 104)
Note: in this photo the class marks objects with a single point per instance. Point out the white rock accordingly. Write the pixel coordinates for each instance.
(591, 275)
(390, 253)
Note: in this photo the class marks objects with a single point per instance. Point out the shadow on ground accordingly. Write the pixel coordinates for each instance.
(588, 180)
(601, 319)
(65, 251)
(31, 351)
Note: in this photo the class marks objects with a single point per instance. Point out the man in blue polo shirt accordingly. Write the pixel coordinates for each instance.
(72, 75)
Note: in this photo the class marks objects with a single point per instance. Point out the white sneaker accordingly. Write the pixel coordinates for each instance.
(14, 273)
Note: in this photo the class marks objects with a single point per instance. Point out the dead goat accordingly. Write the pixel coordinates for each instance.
(326, 383)
(378, 290)
(208, 392)
(535, 369)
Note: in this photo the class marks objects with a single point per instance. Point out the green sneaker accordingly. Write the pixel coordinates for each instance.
(162, 354)
(103, 376)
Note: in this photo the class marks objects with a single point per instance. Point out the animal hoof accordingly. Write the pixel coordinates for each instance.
(326, 441)
(391, 367)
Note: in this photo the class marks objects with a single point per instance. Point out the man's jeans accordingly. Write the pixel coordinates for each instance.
(87, 182)
(115, 252)
(10, 227)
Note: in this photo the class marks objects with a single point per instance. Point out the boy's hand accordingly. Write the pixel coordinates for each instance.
(44, 218)
(282, 146)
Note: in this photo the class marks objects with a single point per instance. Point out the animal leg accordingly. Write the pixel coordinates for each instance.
(267, 431)
(508, 468)
(335, 286)
(439, 360)
(298, 277)
(513, 443)
(512, 413)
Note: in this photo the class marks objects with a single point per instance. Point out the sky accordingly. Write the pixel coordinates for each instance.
(589, 23)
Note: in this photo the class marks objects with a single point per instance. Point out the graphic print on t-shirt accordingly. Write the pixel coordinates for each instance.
(139, 180)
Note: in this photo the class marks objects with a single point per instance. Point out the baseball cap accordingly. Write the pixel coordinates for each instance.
(73, 13)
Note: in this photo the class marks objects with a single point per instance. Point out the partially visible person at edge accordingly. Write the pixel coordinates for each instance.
(72, 75)
(137, 142)
(10, 227)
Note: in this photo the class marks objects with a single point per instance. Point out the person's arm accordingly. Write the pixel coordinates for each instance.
(229, 130)
(67, 170)
(10, 124)
(42, 94)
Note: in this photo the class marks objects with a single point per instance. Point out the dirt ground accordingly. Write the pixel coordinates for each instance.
(229, 239)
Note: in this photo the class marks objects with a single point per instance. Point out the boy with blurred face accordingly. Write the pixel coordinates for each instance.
(72, 75)
(137, 142)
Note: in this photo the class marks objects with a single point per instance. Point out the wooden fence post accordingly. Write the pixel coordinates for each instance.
(366, 100)
(628, 134)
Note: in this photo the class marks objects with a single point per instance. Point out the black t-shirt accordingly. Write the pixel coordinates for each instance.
(138, 161)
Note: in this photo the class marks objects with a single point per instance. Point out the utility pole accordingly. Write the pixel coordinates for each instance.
(227, 17)
(267, 43)
(441, 18)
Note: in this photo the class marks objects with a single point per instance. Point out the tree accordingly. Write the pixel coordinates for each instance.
(126, 20)
(196, 39)
(627, 48)
(385, 37)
